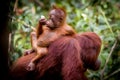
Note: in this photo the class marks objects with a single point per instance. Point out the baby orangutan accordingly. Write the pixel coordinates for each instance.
(48, 31)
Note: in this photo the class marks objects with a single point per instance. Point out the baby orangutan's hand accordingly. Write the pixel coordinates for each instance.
(42, 20)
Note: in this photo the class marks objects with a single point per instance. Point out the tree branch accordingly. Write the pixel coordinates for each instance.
(22, 22)
(107, 60)
(39, 3)
(15, 5)
(116, 71)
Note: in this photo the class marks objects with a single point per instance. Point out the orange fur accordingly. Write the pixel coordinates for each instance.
(55, 28)
(67, 59)
(69, 54)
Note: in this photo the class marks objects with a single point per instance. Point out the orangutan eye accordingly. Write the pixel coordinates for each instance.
(61, 19)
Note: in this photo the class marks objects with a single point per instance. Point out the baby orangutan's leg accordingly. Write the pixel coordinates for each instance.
(33, 38)
(40, 53)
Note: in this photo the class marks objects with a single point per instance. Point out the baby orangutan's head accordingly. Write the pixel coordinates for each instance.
(57, 17)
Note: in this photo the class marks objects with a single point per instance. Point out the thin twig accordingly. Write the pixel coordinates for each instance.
(39, 3)
(107, 60)
(116, 71)
(26, 24)
(22, 22)
(9, 48)
(15, 6)
(106, 21)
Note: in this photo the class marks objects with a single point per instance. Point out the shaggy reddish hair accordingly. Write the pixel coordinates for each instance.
(67, 59)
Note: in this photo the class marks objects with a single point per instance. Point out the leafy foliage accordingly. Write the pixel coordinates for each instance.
(99, 16)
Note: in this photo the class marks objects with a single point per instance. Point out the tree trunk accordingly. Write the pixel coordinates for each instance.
(4, 38)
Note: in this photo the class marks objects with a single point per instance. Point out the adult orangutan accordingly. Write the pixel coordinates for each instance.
(67, 59)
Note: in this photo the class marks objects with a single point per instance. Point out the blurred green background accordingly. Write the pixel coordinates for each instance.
(99, 16)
